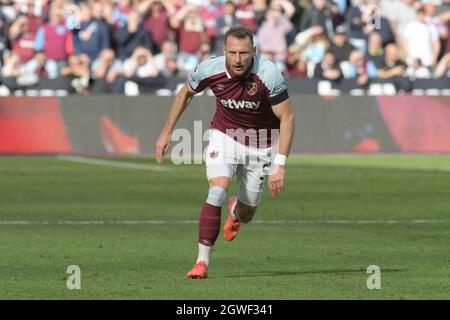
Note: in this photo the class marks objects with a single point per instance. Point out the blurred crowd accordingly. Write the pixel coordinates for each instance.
(99, 45)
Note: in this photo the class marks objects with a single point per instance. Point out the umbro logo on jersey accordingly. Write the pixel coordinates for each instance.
(233, 104)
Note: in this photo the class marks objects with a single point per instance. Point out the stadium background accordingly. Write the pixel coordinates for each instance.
(127, 126)
(367, 182)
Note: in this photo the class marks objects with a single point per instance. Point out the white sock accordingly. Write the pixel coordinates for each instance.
(203, 253)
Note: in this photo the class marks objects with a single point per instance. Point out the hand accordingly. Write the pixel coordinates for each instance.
(316, 30)
(399, 70)
(362, 80)
(85, 35)
(276, 180)
(162, 146)
(132, 26)
(368, 28)
(331, 74)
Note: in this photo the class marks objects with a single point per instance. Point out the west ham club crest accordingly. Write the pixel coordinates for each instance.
(251, 88)
(213, 154)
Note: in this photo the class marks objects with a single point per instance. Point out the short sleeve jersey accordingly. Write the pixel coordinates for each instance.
(243, 102)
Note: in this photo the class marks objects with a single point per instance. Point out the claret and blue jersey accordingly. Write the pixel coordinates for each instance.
(243, 102)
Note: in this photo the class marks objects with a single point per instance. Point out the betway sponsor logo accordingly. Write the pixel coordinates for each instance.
(233, 104)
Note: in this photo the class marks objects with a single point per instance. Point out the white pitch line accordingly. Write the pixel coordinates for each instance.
(111, 163)
(387, 168)
(162, 222)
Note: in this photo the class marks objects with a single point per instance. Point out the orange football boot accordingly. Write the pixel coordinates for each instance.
(231, 227)
(199, 271)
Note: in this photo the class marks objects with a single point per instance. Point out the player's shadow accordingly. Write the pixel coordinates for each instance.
(299, 273)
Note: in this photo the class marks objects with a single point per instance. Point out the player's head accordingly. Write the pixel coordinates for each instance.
(239, 49)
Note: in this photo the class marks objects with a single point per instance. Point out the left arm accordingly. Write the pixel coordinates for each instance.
(284, 112)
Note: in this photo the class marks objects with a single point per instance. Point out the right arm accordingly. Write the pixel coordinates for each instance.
(180, 103)
(439, 71)
(143, 6)
(392, 72)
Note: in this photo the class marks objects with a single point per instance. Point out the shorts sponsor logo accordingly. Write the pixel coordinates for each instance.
(251, 88)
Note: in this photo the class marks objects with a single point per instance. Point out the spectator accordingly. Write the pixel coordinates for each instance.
(192, 34)
(105, 14)
(205, 52)
(43, 6)
(168, 50)
(11, 66)
(359, 69)
(328, 68)
(394, 69)
(210, 13)
(355, 24)
(296, 66)
(172, 73)
(227, 20)
(105, 70)
(139, 72)
(340, 47)
(375, 50)
(93, 35)
(288, 10)
(34, 21)
(421, 41)
(131, 36)
(319, 14)
(417, 71)
(156, 20)
(33, 71)
(445, 17)
(272, 35)
(21, 39)
(141, 64)
(437, 23)
(299, 9)
(38, 66)
(392, 65)
(391, 9)
(167, 63)
(55, 41)
(3, 35)
(120, 13)
(78, 72)
(313, 44)
(260, 11)
(246, 14)
(406, 14)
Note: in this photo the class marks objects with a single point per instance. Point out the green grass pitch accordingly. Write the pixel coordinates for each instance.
(338, 215)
